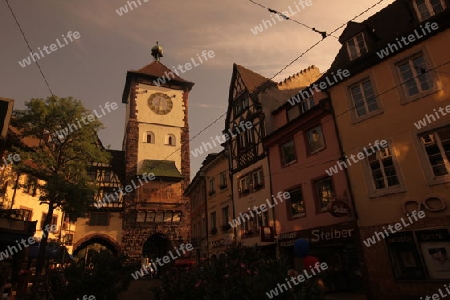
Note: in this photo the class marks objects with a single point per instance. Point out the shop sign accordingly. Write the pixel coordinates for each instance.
(339, 208)
(328, 234)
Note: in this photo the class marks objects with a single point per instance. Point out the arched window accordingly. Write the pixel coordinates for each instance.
(170, 140)
(149, 137)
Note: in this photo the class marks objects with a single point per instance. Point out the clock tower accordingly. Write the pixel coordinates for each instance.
(156, 144)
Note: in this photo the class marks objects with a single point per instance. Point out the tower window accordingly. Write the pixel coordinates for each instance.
(170, 140)
(149, 137)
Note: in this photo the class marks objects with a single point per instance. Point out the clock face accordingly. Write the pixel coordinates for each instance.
(160, 103)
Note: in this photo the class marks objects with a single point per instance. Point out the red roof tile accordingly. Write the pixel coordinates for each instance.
(157, 69)
(251, 79)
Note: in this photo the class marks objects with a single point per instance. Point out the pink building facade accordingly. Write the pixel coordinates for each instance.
(301, 151)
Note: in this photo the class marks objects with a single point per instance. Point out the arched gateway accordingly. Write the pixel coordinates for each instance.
(101, 239)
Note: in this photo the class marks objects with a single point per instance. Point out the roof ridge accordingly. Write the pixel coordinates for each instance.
(159, 70)
(290, 78)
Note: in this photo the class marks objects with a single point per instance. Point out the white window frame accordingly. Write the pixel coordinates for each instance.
(368, 113)
(373, 192)
(354, 39)
(259, 181)
(244, 184)
(429, 9)
(432, 179)
(421, 92)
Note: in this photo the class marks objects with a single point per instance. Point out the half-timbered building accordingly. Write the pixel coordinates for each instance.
(252, 98)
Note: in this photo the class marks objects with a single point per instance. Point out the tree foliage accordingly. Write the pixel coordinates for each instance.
(60, 160)
(58, 143)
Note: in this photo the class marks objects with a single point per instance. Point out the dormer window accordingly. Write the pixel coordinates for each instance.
(356, 46)
(425, 9)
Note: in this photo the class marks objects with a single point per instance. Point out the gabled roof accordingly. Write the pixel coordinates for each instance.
(394, 21)
(251, 79)
(157, 69)
(152, 72)
(351, 30)
(210, 157)
(161, 168)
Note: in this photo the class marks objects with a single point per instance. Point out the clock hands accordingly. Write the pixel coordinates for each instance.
(161, 104)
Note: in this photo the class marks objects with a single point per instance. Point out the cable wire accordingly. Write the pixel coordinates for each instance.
(29, 46)
(322, 33)
(268, 80)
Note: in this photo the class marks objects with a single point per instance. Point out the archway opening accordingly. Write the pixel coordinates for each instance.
(156, 246)
(95, 244)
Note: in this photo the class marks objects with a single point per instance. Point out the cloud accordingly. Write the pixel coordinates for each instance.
(203, 105)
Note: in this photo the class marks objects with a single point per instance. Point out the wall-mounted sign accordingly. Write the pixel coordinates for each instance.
(339, 208)
(428, 204)
(336, 233)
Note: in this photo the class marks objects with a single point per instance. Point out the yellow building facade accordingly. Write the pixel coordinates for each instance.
(398, 96)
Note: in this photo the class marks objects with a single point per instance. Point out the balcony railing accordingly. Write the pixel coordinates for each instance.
(11, 224)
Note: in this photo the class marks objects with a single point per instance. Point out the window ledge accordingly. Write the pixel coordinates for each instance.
(366, 116)
(408, 99)
(439, 180)
(387, 191)
(258, 187)
(297, 216)
(289, 163)
(316, 151)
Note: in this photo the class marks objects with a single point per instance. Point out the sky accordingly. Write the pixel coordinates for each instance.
(93, 67)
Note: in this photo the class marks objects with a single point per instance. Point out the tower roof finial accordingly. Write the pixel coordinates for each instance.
(157, 51)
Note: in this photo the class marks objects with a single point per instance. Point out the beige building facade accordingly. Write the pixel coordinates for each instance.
(399, 98)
